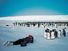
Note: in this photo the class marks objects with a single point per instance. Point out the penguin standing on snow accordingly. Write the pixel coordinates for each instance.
(55, 33)
(47, 34)
(59, 33)
(52, 34)
(64, 33)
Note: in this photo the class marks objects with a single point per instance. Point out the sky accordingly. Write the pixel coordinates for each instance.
(33, 7)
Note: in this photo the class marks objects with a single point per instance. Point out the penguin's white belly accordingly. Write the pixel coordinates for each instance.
(59, 34)
(52, 35)
(48, 35)
(45, 34)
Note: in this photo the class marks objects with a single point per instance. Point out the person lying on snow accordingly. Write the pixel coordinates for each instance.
(21, 42)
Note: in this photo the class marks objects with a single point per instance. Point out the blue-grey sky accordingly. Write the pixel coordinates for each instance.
(33, 7)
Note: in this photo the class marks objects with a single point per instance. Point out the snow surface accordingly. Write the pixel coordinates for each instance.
(37, 18)
(40, 43)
